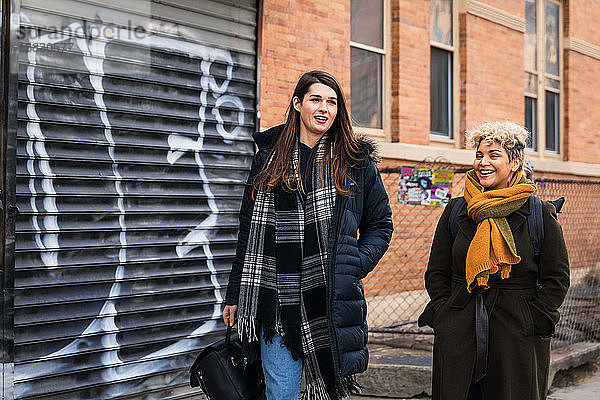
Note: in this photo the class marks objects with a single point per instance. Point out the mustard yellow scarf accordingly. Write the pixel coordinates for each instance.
(493, 247)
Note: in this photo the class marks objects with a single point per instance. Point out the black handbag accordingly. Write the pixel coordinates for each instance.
(224, 374)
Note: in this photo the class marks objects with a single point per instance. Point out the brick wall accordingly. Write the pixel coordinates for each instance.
(491, 58)
(581, 84)
(583, 20)
(410, 71)
(299, 36)
(582, 118)
(513, 7)
(492, 72)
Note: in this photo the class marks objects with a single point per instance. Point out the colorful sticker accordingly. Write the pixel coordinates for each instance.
(425, 186)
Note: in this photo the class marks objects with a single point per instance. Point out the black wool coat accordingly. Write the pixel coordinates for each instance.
(522, 310)
(350, 256)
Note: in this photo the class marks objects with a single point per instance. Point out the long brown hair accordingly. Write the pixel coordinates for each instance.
(341, 138)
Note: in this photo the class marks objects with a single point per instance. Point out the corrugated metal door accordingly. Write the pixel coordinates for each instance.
(135, 120)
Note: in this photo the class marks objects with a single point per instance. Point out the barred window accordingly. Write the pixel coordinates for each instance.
(367, 53)
(543, 74)
(441, 67)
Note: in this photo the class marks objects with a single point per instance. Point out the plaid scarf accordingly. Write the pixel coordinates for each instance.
(283, 286)
(493, 247)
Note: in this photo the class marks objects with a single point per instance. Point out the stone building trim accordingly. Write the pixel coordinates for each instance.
(582, 47)
(415, 152)
(495, 15)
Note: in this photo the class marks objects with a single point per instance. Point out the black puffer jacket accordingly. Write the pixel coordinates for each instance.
(350, 258)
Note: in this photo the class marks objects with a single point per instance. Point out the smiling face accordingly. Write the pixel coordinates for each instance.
(317, 111)
(492, 165)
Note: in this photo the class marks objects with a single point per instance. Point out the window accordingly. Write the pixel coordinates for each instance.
(441, 68)
(367, 54)
(542, 74)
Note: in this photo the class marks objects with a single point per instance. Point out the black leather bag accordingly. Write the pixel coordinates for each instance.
(221, 372)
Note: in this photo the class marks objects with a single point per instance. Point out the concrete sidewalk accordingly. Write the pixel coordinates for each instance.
(400, 373)
(586, 389)
(397, 373)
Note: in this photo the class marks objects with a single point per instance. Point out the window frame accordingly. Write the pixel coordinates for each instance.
(451, 140)
(542, 88)
(384, 133)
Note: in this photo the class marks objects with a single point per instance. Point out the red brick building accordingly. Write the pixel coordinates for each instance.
(419, 73)
(127, 139)
(488, 54)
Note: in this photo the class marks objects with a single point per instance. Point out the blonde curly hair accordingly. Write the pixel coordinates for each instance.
(511, 136)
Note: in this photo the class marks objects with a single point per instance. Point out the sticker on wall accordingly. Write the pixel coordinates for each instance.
(425, 186)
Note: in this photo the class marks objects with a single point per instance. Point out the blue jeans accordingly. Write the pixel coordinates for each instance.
(283, 375)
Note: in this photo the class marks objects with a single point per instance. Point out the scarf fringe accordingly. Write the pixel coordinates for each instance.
(504, 261)
(347, 387)
(474, 276)
(315, 391)
(482, 280)
(295, 350)
(269, 332)
(247, 329)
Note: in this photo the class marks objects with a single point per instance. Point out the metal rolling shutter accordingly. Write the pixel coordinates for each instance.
(134, 141)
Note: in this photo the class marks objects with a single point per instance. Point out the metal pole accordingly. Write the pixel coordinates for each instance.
(9, 211)
(259, 28)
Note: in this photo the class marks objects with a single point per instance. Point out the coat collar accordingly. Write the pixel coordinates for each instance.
(266, 140)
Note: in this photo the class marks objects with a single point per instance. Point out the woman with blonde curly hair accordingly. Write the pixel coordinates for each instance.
(494, 303)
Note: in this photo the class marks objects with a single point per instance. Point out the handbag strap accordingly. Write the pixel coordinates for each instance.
(228, 336)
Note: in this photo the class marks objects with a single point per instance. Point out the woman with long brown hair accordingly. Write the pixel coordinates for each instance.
(315, 220)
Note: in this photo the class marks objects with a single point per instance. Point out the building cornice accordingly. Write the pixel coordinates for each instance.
(494, 14)
(582, 47)
(464, 157)
(420, 153)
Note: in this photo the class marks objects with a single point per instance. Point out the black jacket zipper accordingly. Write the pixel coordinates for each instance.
(331, 287)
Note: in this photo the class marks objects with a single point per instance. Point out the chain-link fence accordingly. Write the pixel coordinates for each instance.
(395, 289)
(580, 219)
